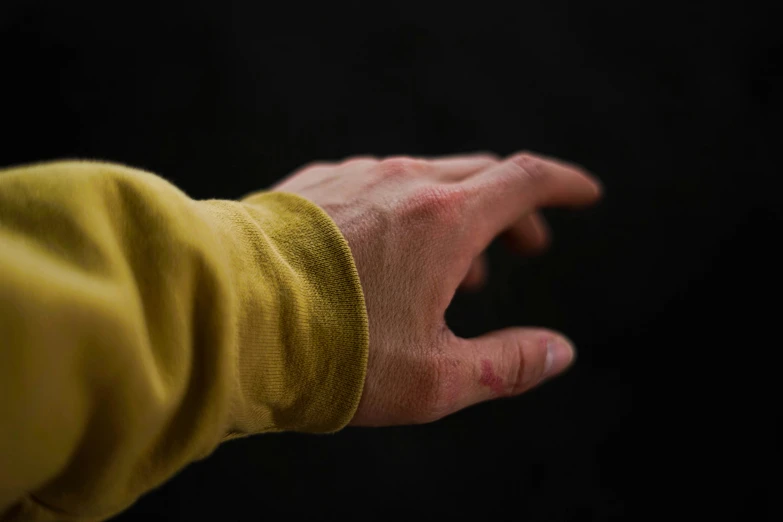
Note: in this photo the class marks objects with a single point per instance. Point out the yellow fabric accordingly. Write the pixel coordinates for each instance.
(139, 328)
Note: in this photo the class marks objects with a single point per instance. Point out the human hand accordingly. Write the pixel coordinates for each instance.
(417, 229)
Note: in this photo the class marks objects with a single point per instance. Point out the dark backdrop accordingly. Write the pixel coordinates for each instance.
(668, 286)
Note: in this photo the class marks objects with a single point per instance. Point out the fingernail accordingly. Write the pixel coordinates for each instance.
(559, 354)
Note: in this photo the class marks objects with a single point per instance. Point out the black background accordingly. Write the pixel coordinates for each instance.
(669, 286)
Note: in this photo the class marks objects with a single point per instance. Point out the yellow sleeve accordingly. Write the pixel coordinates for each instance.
(140, 328)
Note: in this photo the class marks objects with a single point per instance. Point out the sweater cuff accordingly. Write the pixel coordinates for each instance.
(303, 332)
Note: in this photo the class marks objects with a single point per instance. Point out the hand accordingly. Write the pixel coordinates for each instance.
(417, 229)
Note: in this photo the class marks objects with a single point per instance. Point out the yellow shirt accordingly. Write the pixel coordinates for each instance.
(140, 328)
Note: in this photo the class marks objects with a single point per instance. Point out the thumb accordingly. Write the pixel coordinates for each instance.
(509, 362)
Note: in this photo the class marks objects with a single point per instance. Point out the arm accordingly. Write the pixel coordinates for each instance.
(139, 328)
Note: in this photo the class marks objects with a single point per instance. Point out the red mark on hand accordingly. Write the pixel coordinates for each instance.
(489, 378)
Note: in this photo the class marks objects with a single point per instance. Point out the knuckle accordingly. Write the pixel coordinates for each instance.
(526, 371)
(313, 165)
(401, 166)
(442, 204)
(359, 159)
(528, 166)
(485, 155)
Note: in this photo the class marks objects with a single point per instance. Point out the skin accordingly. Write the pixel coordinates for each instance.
(417, 228)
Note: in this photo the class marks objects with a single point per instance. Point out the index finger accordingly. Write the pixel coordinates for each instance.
(500, 195)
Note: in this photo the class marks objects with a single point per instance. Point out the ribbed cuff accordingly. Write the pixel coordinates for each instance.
(303, 329)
